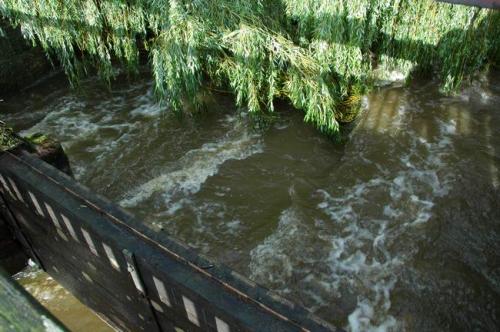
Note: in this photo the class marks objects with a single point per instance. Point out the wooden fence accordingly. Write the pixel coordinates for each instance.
(131, 276)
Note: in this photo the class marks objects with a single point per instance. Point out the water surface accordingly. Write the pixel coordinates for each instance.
(397, 229)
(59, 302)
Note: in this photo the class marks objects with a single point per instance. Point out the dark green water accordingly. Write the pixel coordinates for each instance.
(398, 229)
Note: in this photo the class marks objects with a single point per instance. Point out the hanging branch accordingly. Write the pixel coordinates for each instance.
(317, 54)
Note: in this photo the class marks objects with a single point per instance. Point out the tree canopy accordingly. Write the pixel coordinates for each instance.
(316, 54)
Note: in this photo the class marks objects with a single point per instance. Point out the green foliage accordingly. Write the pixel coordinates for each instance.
(314, 53)
(37, 138)
(7, 138)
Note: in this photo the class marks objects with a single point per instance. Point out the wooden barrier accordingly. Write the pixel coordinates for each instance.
(12, 257)
(133, 277)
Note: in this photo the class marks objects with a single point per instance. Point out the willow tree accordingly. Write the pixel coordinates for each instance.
(317, 54)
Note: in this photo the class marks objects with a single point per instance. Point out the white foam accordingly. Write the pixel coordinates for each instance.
(146, 105)
(271, 261)
(188, 174)
(66, 119)
(356, 255)
(98, 127)
(49, 325)
(370, 221)
(361, 320)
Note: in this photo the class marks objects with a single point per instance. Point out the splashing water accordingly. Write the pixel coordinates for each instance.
(392, 231)
(370, 220)
(189, 173)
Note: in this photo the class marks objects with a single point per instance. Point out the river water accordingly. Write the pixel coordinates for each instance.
(59, 302)
(395, 229)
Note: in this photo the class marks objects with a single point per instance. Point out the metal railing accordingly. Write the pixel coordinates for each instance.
(495, 4)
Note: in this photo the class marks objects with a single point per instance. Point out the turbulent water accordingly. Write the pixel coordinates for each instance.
(398, 229)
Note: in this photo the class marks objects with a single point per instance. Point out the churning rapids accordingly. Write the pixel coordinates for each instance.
(398, 229)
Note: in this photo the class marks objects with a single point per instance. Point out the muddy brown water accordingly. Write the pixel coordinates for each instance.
(59, 302)
(396, 229)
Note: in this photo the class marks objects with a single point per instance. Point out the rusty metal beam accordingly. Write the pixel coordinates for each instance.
(495, 4)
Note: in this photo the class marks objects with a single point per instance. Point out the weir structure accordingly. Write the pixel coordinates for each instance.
(134, 278)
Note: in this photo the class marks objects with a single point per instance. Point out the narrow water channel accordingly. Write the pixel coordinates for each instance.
(59, 302)
(397, 229)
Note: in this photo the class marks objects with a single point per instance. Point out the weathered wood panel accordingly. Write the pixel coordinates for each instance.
(12, 257)
(136, 278)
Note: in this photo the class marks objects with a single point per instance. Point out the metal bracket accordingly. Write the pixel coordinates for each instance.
(135, 273)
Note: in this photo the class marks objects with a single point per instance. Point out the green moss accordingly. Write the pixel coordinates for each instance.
(7, 138)
(38, 139)
(311, 53)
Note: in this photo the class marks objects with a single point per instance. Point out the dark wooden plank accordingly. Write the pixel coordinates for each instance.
(205, 296)
(126, 314)
(86, 275)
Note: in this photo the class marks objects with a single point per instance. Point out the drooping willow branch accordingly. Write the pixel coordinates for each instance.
(315, 53)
